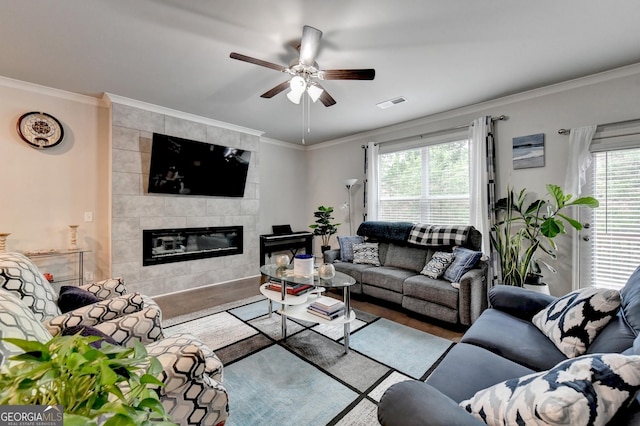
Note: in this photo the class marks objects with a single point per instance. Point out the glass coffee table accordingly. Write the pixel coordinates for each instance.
(296, 306)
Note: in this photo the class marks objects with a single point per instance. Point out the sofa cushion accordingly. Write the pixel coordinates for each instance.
(437, 265)
(19, 275)
(463, 261)
(573, 321)
(19, 322)
(437, 291)
(352, 269)
(587, 390)
(614, 337)
(411, 258)
(630, 305)
(460, 375)
(513, 338)
(366, 253)
(346, 247)
(385, 277)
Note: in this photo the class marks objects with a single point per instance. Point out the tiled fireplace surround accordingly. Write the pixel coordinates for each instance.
(134, 209)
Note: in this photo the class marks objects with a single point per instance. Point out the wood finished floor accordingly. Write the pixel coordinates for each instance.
(202, 298)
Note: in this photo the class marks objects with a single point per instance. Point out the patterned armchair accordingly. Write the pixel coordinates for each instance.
(193, 393)
(121, 315)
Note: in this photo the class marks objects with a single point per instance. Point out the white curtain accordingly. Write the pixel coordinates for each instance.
(482, 178)
(579, 159)
(372, 180)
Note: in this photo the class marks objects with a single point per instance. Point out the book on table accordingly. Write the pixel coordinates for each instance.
(328, 304)
(321, 314)
(292, 289)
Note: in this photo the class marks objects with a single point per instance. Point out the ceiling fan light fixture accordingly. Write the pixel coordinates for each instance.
(295, 96)
(297, 84)
(314, 92)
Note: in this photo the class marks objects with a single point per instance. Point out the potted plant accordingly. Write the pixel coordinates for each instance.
(323, 226)
(527, 226)
(109, 385)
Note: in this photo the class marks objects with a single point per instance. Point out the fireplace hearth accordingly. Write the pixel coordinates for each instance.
(182, 244)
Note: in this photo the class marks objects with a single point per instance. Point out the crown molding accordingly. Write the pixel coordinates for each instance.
(379, 134)
(50, 91)
(283, 144)
(110, 98)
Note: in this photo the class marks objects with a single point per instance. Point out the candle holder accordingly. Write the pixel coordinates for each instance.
(3, 241)
(74, 237)
(326, 271)
(282, 260)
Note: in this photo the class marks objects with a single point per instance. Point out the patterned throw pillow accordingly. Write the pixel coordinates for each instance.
(437, 265)
(346, 247)
(366, 253)
(573, 321)
(587, 390)
(464, 260)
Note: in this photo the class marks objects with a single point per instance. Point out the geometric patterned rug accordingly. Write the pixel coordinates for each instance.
(307, 379)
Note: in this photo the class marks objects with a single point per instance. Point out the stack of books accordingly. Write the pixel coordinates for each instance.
(327, 308)
(293, 289)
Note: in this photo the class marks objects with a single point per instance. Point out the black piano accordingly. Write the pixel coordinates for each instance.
(284, 239)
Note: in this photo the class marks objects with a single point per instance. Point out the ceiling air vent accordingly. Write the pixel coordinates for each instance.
(391, 102)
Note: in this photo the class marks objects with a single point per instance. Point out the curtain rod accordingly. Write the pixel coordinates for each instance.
(567, 131)
(435, 132)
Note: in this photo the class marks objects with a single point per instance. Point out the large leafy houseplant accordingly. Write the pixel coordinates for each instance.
(110, 385)
(527, 226)
(323, 226)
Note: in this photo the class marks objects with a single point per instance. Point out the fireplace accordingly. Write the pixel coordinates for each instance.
(177, 245)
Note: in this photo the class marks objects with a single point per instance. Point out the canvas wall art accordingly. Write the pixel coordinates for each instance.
(528, 151)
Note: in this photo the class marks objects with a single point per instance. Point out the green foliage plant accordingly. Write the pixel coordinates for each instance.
(111, 385)
(323, 226)
(528, 226)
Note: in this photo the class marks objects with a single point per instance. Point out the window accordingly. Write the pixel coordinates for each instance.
(615, 238)
(425, 184)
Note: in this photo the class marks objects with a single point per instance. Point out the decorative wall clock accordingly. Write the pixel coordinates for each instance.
(40, 130)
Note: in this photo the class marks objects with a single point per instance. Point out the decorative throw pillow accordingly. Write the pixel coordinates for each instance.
(463, 261)
(72, 297)
(85, 330)
(366, 253)
(587, 390)
(574, 320)
(437, 265)
(346, 247)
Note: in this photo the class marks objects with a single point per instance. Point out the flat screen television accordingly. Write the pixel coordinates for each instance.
(187, 167)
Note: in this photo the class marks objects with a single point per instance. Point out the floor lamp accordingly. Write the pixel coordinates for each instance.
(349, 183)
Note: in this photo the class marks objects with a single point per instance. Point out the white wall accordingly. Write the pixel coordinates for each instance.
(604, 98)
(45, 191)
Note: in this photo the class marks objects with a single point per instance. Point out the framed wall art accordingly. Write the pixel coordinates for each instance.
(528, 151)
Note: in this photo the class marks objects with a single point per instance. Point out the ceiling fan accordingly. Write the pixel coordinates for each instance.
(305, 71)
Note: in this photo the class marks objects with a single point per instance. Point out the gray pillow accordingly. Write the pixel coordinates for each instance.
(346, 247)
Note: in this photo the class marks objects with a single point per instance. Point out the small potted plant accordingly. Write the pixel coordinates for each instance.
(323, 226)
(526, 226)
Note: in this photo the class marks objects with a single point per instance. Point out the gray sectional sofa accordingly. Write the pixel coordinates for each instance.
(504, 344)
(403, 255)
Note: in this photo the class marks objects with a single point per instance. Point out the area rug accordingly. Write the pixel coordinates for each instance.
(307, 379)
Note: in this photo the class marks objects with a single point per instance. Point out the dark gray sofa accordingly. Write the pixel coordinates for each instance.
(504, 344)
(398, 279)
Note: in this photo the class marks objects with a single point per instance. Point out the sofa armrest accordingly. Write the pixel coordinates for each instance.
(106, 289)
(330, 256)
(96, 313)
(472, 299)
(517, 301)
(414, 403)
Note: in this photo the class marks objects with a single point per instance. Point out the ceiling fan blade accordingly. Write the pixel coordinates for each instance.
(278, 89)
(363, 74)
(309, 45)
(326, 99)
(255, 61)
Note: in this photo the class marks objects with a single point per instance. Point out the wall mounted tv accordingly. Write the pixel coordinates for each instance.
(187, 167)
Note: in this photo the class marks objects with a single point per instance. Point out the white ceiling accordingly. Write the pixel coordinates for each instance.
(439, 54)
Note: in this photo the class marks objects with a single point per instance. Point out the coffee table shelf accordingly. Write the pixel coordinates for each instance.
(296, 306)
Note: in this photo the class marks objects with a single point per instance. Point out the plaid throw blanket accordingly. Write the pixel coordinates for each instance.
(438, 235)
